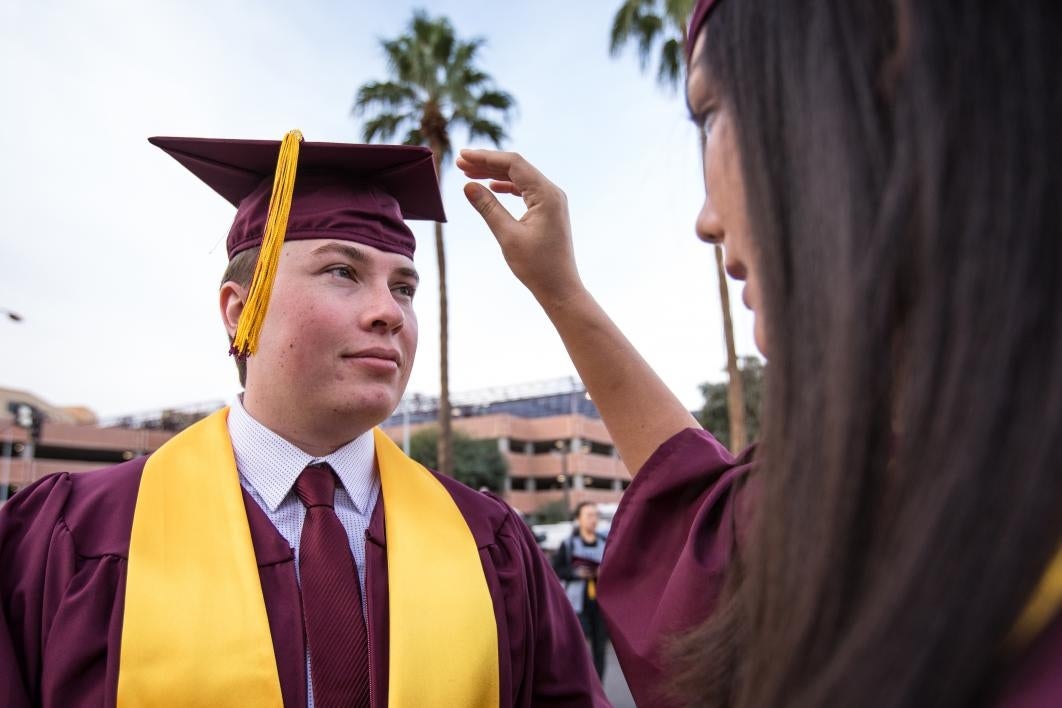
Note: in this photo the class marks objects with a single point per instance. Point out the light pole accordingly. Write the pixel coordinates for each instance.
(5, 465)
(562, 448)
(405, 427)
(5, 475)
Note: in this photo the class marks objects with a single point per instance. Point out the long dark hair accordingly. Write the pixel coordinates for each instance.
(903, 171)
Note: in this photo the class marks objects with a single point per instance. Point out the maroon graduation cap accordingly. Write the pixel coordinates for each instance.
(346, 191)
(697, 20)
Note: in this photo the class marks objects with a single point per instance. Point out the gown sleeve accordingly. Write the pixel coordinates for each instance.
(37, 562)
(665, 562)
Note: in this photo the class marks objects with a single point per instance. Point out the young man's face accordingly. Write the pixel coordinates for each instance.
(340, 335)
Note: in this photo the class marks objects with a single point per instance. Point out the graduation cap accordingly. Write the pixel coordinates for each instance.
(350, 192)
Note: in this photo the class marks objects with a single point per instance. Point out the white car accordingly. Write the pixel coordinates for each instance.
(553, 535)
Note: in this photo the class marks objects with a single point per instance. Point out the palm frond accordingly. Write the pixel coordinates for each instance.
(623, 22)
(645, 23)
(490, 130)
(677, 13)
(414, 137)
(433, 87)
(442, 46)
(672, 62)
(385, 96)
(383, 126)
(469, 77)
(400, 53)
(465, 53)
(646, 32)
(495, 99)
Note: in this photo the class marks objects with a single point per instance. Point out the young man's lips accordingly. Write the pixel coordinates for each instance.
(375, 363)
(378, 359)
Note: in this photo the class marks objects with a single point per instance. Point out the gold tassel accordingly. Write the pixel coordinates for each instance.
(253, 316)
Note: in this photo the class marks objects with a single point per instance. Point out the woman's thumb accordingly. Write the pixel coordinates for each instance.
(498, 219)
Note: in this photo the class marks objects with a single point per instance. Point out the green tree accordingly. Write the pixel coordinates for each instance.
(434, 86)
(553, 512)
(716, 410)
(662, 23)
(652, 23)
(477, 463)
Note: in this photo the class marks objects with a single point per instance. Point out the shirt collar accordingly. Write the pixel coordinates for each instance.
(271, 464)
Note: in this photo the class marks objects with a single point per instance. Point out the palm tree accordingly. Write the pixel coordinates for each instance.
(434, 86)
(648, 24)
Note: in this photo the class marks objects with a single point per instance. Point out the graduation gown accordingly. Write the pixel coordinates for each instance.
(64, 544)
(680, 522)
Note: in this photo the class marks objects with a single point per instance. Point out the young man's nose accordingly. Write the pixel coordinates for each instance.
(383, 311)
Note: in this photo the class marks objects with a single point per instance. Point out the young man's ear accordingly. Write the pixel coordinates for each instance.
(233, 296)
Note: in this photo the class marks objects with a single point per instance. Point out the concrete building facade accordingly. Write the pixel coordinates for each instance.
(550, 433)
(557, 450)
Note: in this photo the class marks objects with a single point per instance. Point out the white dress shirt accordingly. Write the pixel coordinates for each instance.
(269, 465)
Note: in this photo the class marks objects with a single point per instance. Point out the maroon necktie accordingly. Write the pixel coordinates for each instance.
(331, 598)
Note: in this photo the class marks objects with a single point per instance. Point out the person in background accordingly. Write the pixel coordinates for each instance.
(576, 562)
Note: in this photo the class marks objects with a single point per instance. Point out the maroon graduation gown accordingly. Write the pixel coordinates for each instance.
(64, 542)
(672, 537)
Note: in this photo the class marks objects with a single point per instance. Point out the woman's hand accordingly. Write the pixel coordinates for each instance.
(637, 408)
(538, 246)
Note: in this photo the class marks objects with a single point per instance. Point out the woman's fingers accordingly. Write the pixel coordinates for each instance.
(500, 166)
(500, 187)
(499, 221)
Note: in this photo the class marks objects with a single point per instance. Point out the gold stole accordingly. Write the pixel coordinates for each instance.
(195, 630)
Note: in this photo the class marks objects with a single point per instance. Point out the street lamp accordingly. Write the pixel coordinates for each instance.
(5, 463)
(562, 448)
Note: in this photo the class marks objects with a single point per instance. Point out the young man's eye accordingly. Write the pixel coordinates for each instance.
(407, 291)
(342, 272)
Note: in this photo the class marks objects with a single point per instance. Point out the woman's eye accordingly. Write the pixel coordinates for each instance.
(708, 120)
(406, 291)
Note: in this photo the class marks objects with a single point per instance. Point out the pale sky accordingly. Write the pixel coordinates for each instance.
(112, 251)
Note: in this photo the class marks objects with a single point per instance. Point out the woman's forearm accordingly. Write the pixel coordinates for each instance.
(638, 409)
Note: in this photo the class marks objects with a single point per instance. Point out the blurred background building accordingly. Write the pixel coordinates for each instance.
(553, 449)
(556, 449)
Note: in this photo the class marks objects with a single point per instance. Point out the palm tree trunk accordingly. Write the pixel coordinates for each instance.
(735, 389)
(446, 458)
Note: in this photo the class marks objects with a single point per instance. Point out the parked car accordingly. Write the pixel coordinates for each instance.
(551, 536)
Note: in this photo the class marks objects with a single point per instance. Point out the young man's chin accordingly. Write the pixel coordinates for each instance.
(369, 405)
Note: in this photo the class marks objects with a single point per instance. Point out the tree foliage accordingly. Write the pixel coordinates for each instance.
(715, 413)
(435, 85)
(477, 463)
(654, 26)
(553, 512)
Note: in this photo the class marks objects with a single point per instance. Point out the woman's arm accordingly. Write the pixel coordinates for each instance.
(638, 409)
